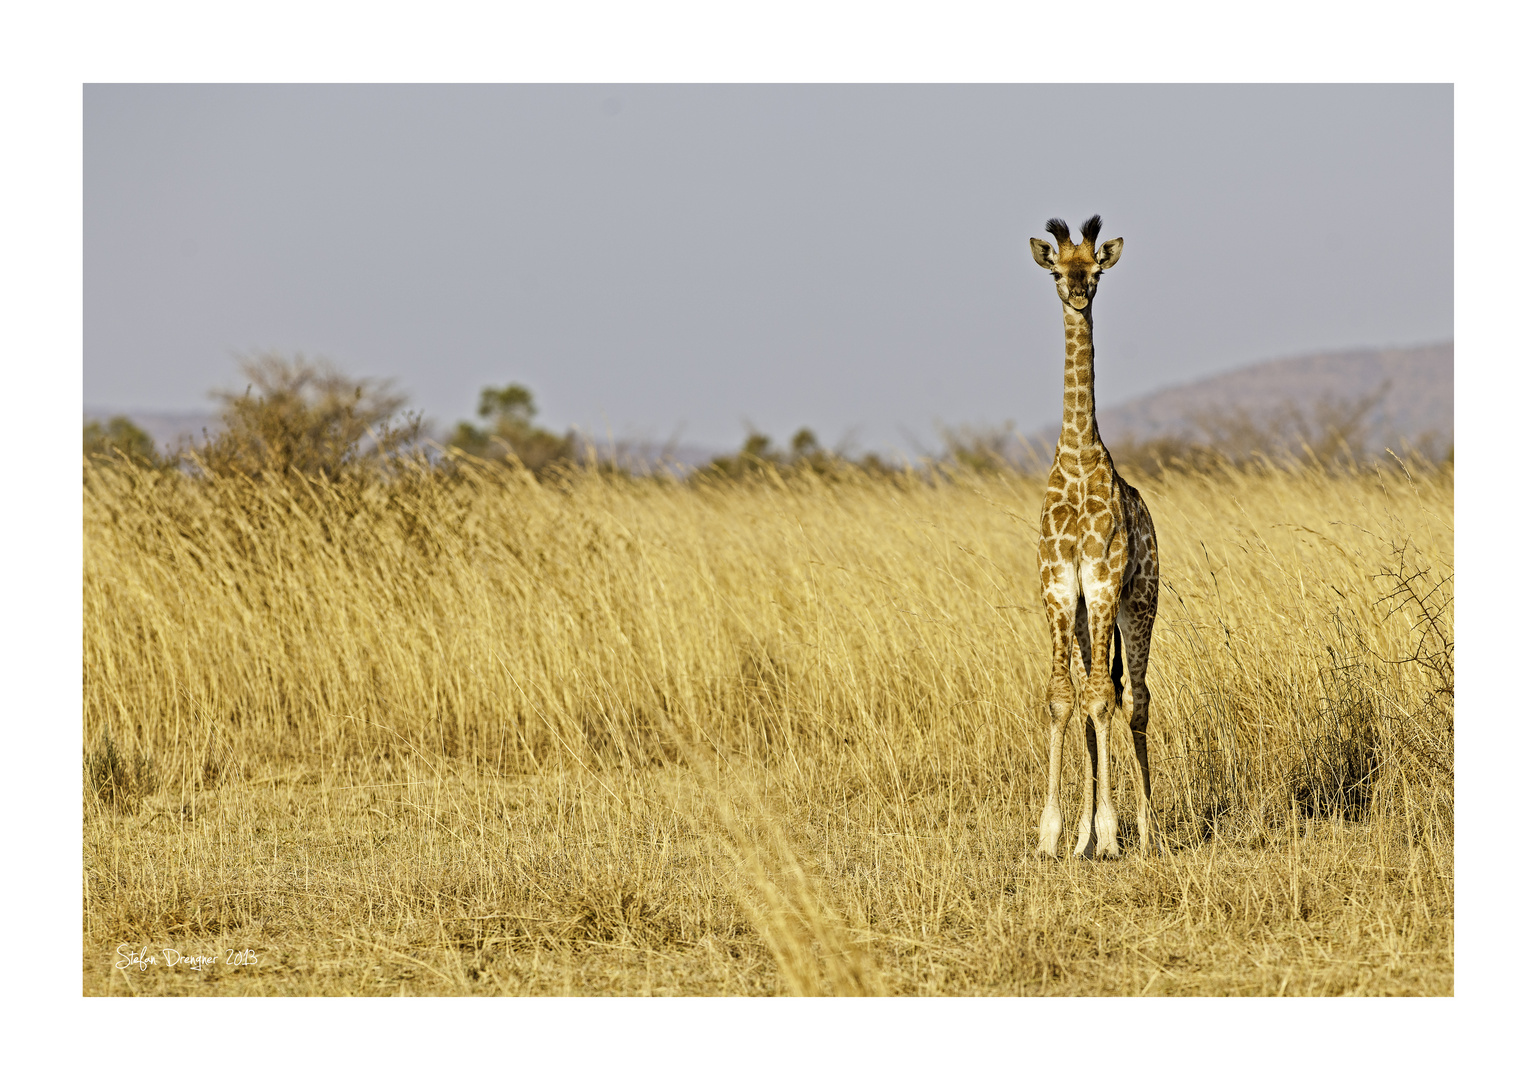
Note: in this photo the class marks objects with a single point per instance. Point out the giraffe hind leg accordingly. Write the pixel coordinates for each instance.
(1135, 623)
(1116, 667)
(1082, 666)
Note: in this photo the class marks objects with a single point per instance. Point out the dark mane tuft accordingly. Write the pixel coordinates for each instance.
(1058, 228)
(1090, 230)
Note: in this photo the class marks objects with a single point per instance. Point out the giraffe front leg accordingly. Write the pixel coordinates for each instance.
(1105, 824)
(1051, 814)
(1086, 839)
(1100, 615)
(1059, 704)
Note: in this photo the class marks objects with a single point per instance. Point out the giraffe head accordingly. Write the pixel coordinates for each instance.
(1076, 267)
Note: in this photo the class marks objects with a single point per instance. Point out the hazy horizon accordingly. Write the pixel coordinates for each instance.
(656, 261)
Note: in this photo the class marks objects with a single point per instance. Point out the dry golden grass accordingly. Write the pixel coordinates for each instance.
(632, 737)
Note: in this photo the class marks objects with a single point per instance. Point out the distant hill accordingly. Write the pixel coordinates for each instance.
(1415, 406)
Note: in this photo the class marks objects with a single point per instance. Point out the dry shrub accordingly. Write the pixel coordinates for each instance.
(303, 416)
(118, 781)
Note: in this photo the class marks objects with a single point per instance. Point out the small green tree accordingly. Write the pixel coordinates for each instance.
(121, 438)
(512, 432)
(758, 456)
(307, 417)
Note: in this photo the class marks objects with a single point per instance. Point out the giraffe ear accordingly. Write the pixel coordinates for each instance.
(1109, 252)
(1043, 253)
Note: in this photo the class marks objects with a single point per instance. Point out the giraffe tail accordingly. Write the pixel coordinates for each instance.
(1115, 666)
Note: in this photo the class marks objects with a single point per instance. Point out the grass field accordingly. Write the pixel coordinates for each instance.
(613, 736)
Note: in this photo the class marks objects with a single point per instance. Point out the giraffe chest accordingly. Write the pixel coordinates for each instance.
(1081, 520)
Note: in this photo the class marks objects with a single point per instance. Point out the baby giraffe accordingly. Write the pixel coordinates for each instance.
(1099, 569)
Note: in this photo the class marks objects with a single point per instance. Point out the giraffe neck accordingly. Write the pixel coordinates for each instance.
(1080, 431)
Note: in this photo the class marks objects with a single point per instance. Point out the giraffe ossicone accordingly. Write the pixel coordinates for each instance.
(1098, 558)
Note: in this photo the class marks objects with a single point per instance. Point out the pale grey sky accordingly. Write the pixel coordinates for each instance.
(653, 259)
